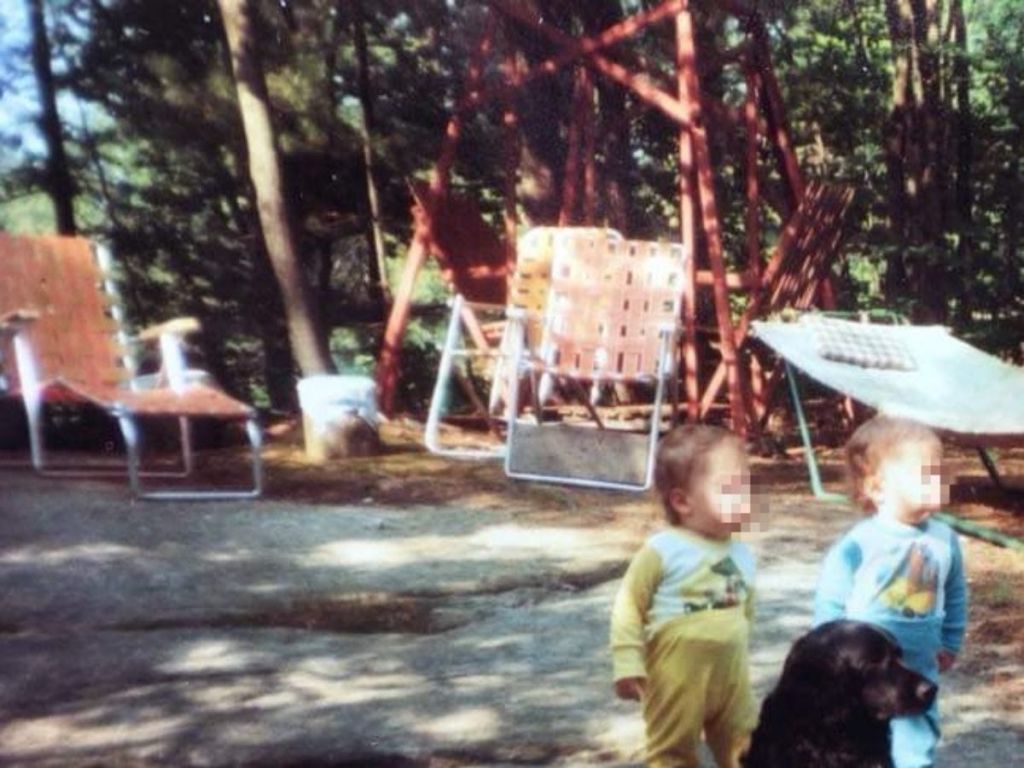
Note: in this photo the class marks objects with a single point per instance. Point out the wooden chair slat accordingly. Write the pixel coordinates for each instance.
(808, 246)
(471, 255)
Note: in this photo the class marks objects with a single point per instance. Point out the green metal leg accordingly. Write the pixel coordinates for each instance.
(1010, 489)
(993, 470)
(805, 435)
(981, 532)
(965, 527)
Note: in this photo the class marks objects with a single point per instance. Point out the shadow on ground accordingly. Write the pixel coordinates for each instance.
(304, 632)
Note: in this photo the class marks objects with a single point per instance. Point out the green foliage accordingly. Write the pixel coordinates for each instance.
(148, 105)
(31, 214)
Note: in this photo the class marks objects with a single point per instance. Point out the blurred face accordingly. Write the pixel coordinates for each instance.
(910, 484)
(719, 502)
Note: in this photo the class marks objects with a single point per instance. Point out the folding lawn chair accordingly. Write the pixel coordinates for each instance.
(527, 291)
(61, 343)
(612, 316)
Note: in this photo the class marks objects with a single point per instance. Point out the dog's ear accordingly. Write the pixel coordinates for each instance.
(808, 673)
(813, 655)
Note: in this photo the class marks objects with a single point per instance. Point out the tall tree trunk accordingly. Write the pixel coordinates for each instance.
(1013, 214)
(933, 117)
(378, 269)
(915, 158)
(59, 183)
(309, 346)
(932, 284)
(895, 142)
(963, 149)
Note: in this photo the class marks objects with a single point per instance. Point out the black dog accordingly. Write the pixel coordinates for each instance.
(840, 686)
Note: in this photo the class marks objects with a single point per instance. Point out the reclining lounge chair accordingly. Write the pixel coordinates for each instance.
(61, 343)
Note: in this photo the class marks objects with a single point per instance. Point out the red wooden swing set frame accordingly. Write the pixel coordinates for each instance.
(691, 110)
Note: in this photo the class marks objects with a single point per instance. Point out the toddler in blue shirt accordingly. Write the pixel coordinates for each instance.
(900, 569)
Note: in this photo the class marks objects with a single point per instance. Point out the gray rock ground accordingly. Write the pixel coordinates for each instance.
(277, 634)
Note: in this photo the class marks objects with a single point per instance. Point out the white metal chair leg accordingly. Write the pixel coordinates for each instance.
(39, 457)
(130, 431)
(499, 391)
(187, 456)
(664, 372)
(37, 447)
(665, 364)
(517, 329)
(431, 433)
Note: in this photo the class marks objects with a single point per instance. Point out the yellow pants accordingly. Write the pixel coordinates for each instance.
(698, 680)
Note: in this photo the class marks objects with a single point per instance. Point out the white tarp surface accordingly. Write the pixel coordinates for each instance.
(954, 387)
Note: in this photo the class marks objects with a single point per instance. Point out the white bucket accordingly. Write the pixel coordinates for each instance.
(339, 416)
(325, 397)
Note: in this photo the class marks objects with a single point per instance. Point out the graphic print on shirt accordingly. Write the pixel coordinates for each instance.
(722, 586)
(913, 585)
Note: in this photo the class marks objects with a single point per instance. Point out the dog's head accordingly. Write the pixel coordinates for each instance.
(861, 664)
(840, 685)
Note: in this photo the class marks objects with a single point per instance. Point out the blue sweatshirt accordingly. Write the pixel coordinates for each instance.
(908, 579)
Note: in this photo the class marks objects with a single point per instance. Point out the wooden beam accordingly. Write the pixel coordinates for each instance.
(687, 65)
(586, 46)
(389, 362)
(821, 210)
(735, 280)
(616, 33)
(775, 114)
(753, 192)
(391, 349)
(639, 84)
(442, 169)
(688, 236)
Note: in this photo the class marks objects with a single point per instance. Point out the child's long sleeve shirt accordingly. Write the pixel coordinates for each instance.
(677, 573)
(907, 578)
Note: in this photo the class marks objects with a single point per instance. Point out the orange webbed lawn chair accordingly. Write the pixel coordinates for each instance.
(611, 317)
(61, 342)
(526, 291)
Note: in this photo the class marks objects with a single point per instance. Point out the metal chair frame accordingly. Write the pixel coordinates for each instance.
(452, 352)
(608, 319)
(527, 291)
(16, 326)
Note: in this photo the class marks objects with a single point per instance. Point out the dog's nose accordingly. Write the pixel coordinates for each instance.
(926, 691)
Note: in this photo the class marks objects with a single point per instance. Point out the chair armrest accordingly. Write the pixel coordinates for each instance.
(522, 314)
(13, 322)
(179, 326)
(169, 337)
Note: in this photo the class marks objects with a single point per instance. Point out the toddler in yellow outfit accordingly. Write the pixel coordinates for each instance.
(680, 624)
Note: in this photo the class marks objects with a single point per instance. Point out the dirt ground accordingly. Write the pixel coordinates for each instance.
(996, 632)
(407, 476)
(402, 610)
